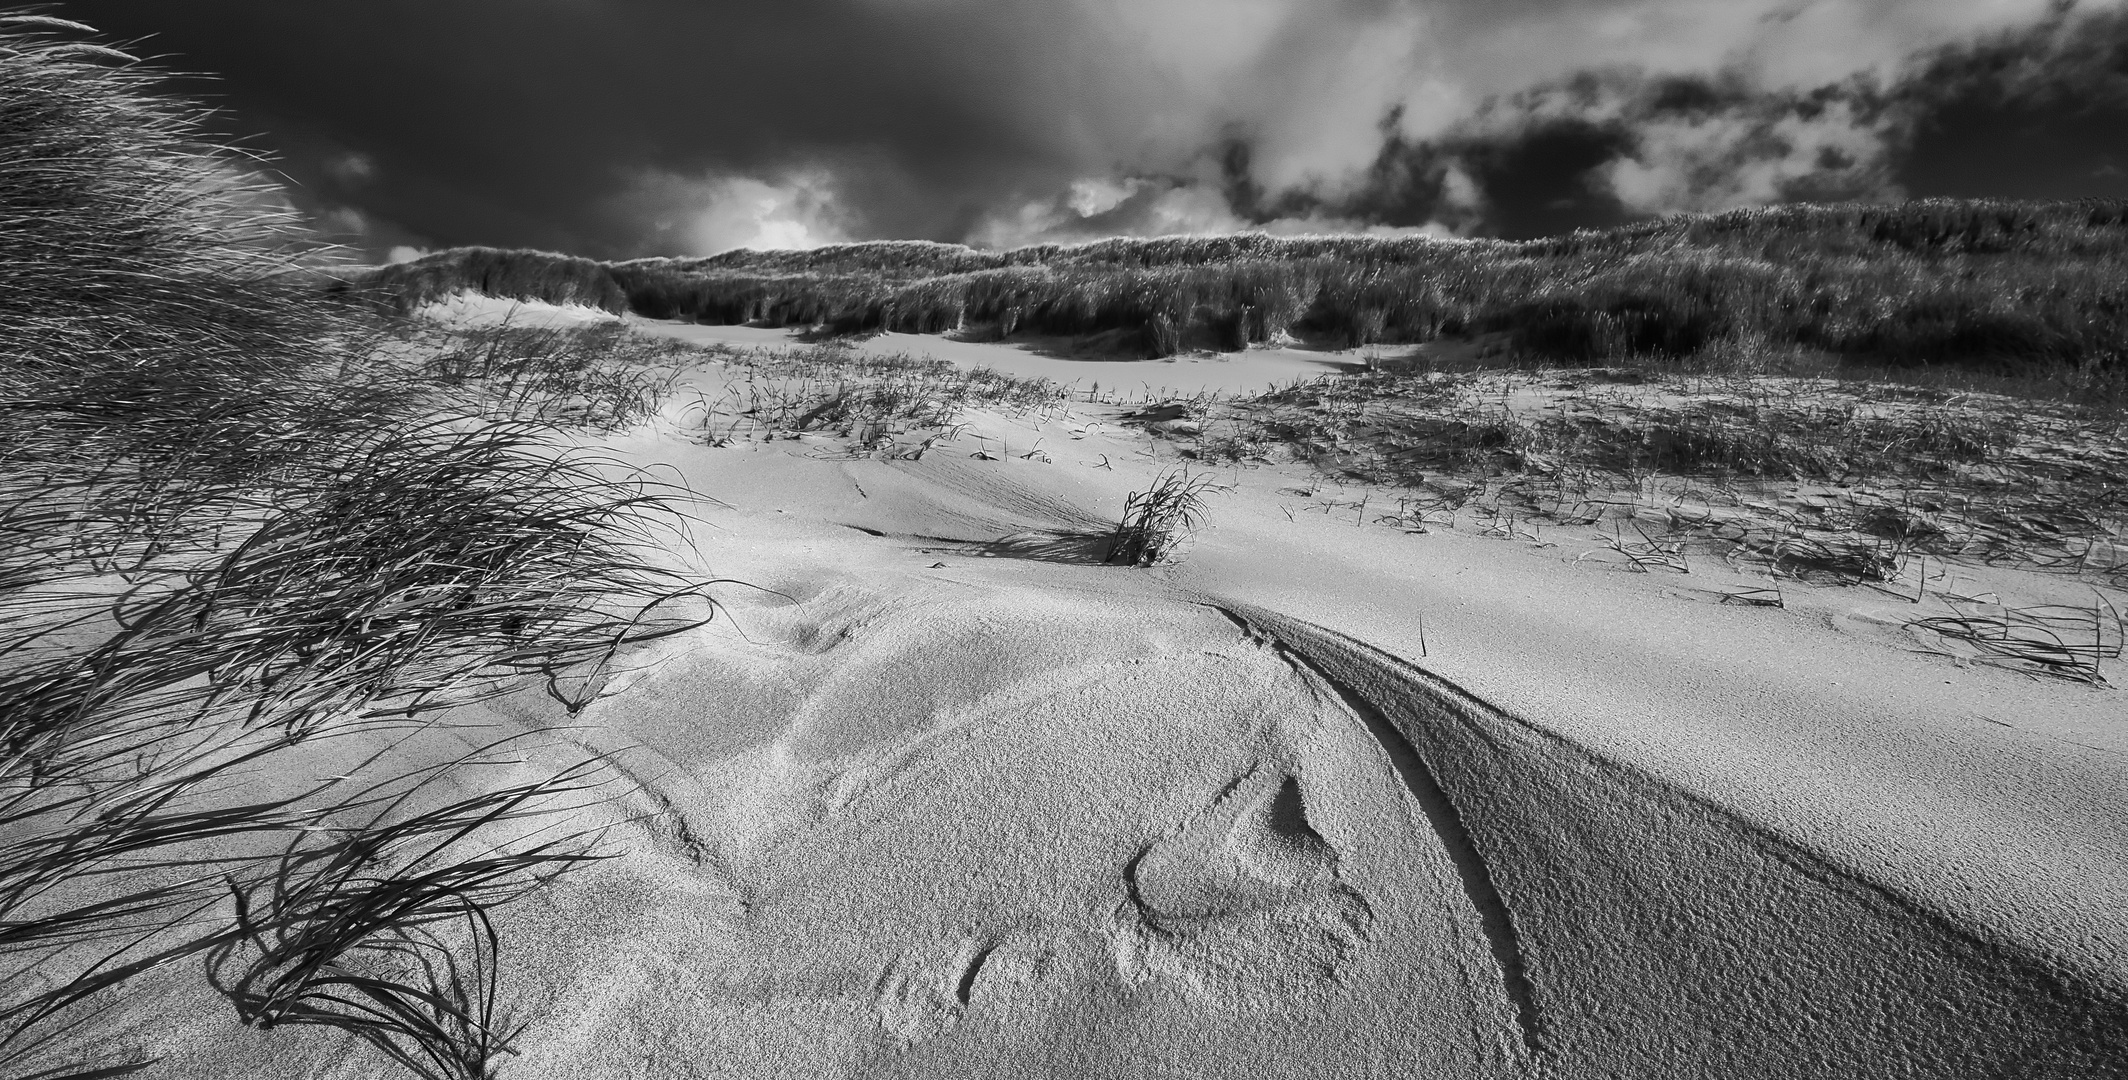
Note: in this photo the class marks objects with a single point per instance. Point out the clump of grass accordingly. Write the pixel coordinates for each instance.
(1245, 444)
(420, 569)
(1649, 552)
(2055, 640)
(1158, 520)
(238, 518)
(388, 935)
(1835, 559)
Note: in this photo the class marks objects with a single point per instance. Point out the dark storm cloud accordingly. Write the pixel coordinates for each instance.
(2040, 111)
(2037, 113)
(1540, 177)
(522, 121)
(623, 127)
(1601, 148)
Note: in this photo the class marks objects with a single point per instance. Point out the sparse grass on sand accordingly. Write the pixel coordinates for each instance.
(242, 525)
(601, 377)
(893, 406)
(1843, 481)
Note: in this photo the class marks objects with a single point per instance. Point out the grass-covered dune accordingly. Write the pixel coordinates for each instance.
(2016, 287)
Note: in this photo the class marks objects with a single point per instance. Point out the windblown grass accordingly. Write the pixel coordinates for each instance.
(238, 520)
(327, 936)
(600, 377)
(2057, 640)
(1158, 520)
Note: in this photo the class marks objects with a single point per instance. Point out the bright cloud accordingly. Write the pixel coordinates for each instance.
(706, 215)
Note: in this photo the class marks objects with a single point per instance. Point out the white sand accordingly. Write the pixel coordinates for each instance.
(1252, 371)
(479, 309)
(1024, 816)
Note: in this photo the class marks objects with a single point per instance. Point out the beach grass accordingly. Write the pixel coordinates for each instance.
(894, 405)
(1836, 481)
(1156, 521)
(1991, 288)
(244, 522)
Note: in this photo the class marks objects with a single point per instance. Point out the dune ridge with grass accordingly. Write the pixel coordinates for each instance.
(2022, 288)
(455, 671)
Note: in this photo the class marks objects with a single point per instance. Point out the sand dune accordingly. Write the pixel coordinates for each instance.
(946, 797)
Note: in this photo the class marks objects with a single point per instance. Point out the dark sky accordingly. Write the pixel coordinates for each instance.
(629, 127)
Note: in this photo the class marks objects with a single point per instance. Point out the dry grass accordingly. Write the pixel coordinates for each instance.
(601, 377)
(239, 522)
(1826, 480)
(329, 933)
(895, 406)
(1158, 520)
(1995, 288)
(2056, 640)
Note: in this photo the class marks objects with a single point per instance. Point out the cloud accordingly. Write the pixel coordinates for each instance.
(349, 168)
(1088, 209)
(2033, 112)
(1746, 125)
(1764, 152)
(2077, 56)
(705, 215)
(1096, 207)
(358, 234)
(1651, 145)
(342, 221)
(683, 126)
(1521, 118)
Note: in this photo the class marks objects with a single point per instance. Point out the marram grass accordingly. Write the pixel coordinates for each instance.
(2024, 288)
(239, 520)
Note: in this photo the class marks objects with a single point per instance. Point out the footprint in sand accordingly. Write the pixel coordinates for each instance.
(1246, 894)
(923, 993)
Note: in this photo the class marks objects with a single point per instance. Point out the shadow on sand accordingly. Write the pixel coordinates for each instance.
(1079, 547)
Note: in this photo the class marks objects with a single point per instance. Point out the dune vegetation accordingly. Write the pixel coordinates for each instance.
(1848, 394)
(2030, 289)
(890, 406)
(246, 531)
(1835, 482)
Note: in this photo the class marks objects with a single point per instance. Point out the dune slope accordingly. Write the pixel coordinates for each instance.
(946, 797)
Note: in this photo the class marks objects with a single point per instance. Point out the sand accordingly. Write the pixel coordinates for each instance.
(941, 797)
(1252, 371)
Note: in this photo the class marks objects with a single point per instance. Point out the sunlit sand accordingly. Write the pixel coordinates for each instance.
(1318, 799)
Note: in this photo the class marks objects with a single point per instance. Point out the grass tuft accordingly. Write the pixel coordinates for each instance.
(1158, 520)
(2053, 640)
(244, 519)
(386, 934)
